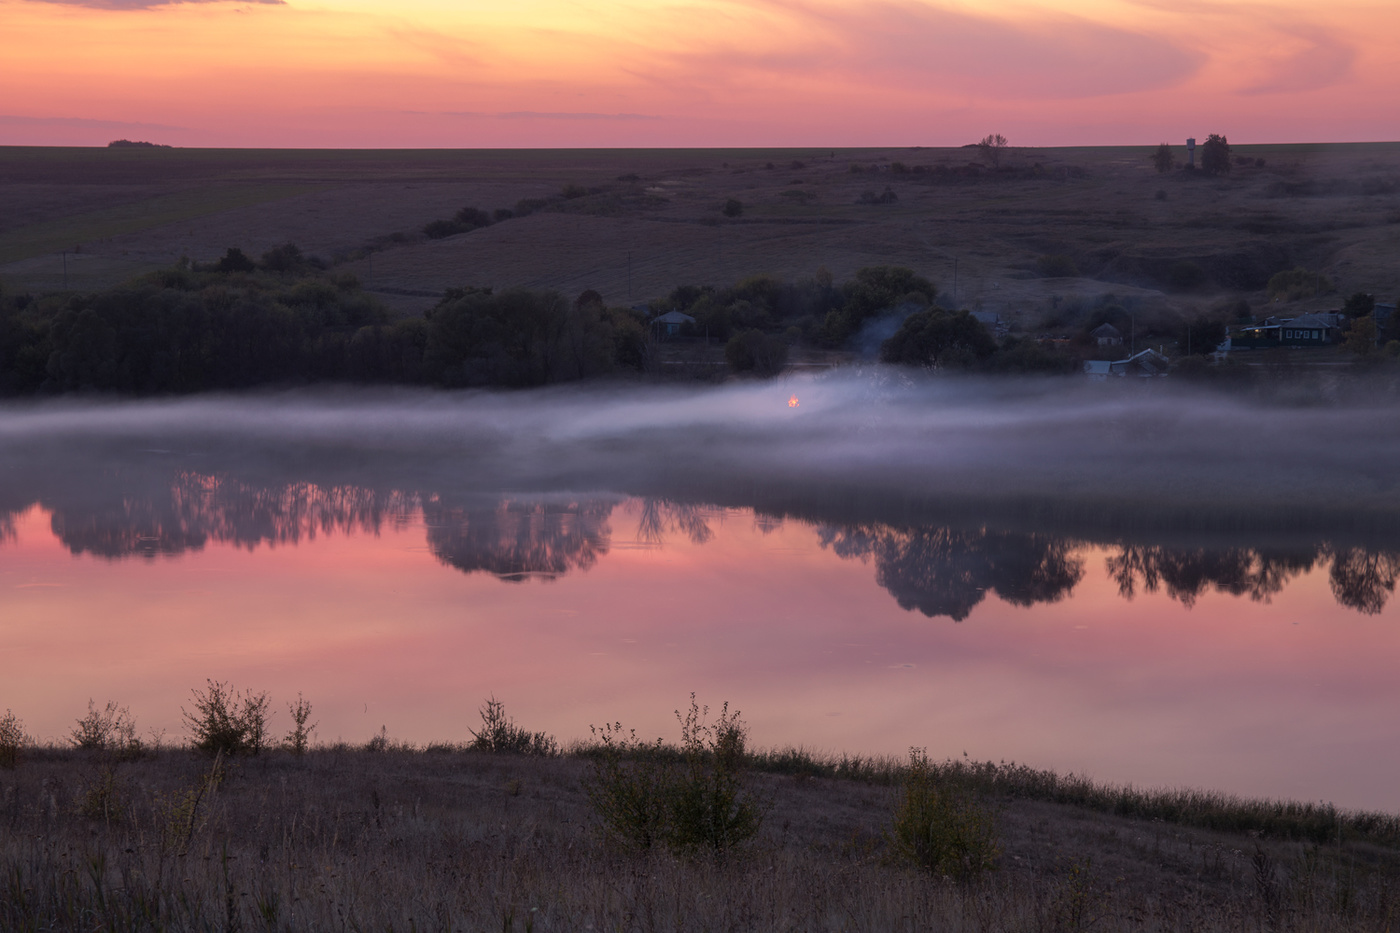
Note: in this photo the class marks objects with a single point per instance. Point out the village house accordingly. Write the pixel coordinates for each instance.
(1106, 335)
(1309, 330)
(1143, 365)
(671, 322)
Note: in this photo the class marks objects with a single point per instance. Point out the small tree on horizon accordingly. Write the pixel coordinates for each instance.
(1163, 159)
(1215, 155)
(992, 147)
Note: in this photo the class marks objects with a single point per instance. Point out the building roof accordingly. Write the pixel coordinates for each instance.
(1105, 330)
(675, 317)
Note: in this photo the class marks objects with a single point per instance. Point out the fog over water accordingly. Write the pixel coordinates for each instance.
(1118, 578)
(864, 445)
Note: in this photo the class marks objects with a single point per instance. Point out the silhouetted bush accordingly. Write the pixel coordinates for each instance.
(234, 261)
(939, 827)
(941, 339)
(733, 207)
(500, 735)
(756, 352)
(1215, 155)
(225, 722)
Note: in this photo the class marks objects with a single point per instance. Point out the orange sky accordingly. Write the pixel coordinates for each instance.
(695, 72)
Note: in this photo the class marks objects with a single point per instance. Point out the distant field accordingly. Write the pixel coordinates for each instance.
(645, 221)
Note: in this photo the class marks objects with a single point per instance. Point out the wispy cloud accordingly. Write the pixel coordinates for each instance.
(83, 123)
(1320, 60)
(126, 5)
(904, 42)
(533, 115)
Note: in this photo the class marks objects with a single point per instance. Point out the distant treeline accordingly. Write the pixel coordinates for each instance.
(287, 320)
(237, 324)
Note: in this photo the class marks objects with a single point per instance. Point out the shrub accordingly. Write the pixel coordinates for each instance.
(940, 828)
(1215, 155)
(298, 740)
(227, 722)
(690, 799)
(756, 352)
(707, 807)
(733, 207)
(1163, 159)
(499, 733)
(234, 260)
(572, 191)
(109, 729)
(12, 739)
(628, 788)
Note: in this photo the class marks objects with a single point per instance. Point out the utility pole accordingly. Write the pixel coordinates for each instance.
(955, 282)
(629, 275)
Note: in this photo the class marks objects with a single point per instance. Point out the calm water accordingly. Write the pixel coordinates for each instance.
(398, 583)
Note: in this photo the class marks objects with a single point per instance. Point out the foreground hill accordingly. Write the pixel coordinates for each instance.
(388, 838)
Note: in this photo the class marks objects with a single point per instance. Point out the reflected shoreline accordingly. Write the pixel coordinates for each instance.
(157, 508)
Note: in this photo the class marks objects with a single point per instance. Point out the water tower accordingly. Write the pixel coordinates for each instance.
(1191, 152)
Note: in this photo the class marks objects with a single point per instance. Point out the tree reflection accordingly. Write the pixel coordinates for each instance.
(1187, 572)
(943, 572)
(1363, 579)
(662, 516)
(519, 539)
(197, 508)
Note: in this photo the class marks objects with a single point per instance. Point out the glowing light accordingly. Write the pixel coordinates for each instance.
(792, 402)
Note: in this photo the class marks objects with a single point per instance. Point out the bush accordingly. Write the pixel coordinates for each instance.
(1163, 159)
(108, 729)
(940, 828)
(500, 734)
(1215, 155)
(225, 722)
(12, 739)
(756, 352)
(234, 260)
(299, 739)
(940, 339)
(628, 787)
(733, 207)
(707, 807)
(690, 799)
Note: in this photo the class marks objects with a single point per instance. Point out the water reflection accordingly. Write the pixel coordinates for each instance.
(936, 569)
(517, 539)
(943, 572)
(194, 509)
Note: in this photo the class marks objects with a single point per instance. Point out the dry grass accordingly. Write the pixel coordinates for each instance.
(454, 840)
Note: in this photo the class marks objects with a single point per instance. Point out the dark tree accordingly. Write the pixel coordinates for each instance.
(991, 148)
(1163, 159)
(1215, 155)
(235, 261)
(940, 339)
(733, 207)
(1359, 305)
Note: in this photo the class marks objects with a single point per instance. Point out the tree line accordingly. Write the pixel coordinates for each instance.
(285, 319)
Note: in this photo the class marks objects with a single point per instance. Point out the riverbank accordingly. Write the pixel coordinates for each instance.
(386, 838)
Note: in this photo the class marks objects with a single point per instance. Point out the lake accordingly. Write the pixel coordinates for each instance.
(1149, 587)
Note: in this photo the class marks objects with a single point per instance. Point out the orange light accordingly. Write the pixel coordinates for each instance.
(792, 402)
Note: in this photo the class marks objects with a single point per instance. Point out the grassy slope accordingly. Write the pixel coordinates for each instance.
(455, 840)
(1326, 207)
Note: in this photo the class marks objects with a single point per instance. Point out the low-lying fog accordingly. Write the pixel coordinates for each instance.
(871, 444)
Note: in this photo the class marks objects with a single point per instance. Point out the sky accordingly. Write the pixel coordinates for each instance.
(605, 73)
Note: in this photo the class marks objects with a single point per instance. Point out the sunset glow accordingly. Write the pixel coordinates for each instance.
(422, 73)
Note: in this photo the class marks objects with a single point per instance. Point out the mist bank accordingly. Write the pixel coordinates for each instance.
(858, 445)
